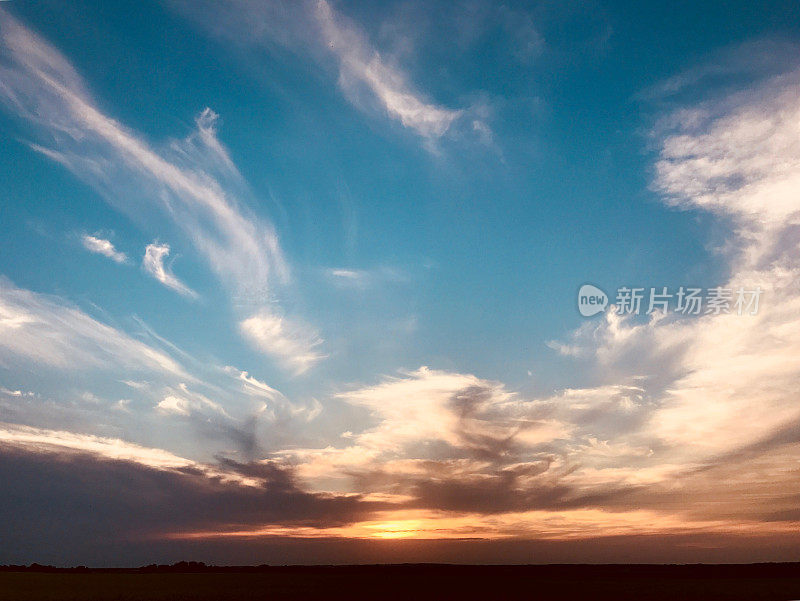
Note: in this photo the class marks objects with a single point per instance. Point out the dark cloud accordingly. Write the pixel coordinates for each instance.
(75, 507)
(470, 406)
(788, 434)
(492, 489)
(509, 490)
(81, 498)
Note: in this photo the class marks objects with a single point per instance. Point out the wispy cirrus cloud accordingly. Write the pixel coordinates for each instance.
(155, 383)
(353, 275)
(44, 330)
(346, 277)
(372, 81)
(729, 67)
(103, 247)
(192, 182)
(363, 69)
(153, 263)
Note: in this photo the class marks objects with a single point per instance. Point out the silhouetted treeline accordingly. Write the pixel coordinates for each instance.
(755, 570)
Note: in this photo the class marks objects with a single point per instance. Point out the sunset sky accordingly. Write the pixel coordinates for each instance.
(297, 282)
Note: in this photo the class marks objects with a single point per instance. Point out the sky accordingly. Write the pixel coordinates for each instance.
(299, 282)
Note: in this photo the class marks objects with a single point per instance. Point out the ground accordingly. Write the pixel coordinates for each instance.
(754, 582)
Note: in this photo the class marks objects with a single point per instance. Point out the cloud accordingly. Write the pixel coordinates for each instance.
(182, 401)
(42, 87)
(455, 429)
(213, 408)
(738, 158)
(365, 278)
(42, 338)
(728, 68)
(370, 80)
(430, 405)
(16, 393)
(153, 263)
(348, 274)
(103, 489)
(362, 69)
(253, 385)
(453, 447)
(293, 344)
(103, 247)
(191, 183)
(43, 440)
(43, 330)
(717, 406)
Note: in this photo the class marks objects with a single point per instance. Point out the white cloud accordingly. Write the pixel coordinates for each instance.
(44, 330)
(432, 421)
(418, 407)
(153, 263)
(176, 405)
(112, 448)
(739, 158)
(364, 278)
(182, 401)
(186, 186)
(16, 393)
(253, 385)
(362, 68)
(293, 344)
(348, 278)
(348, 274)
(103, 247)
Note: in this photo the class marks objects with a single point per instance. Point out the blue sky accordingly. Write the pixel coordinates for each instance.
(459, 232)
(263, 230)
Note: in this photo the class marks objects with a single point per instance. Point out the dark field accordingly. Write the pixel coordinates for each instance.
(749, 582)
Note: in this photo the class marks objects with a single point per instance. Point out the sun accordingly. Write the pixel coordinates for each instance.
(396, 529)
